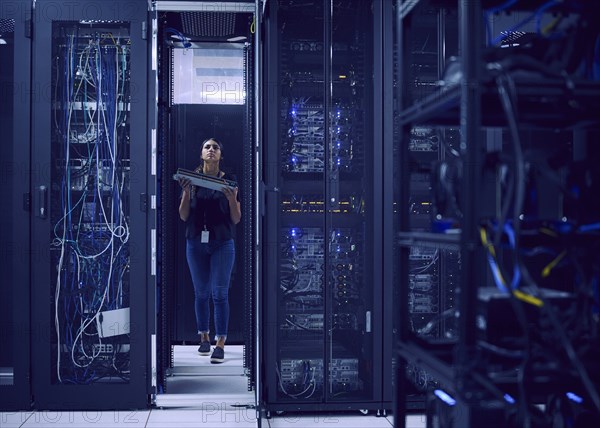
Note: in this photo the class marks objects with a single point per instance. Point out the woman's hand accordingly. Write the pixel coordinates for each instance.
(230, 193)
(184, 205)
(185, 184)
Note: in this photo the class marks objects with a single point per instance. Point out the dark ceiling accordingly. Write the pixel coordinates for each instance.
(209, 26)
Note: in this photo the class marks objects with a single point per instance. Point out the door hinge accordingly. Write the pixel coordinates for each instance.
(29, 28)
(144, 202)
(27, 201)
(144, 30)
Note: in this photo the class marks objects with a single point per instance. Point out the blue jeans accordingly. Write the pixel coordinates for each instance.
(210, 266)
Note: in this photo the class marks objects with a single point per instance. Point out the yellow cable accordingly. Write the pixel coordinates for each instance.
(485, 242)
(551, 25)
(552, 264)
(547, 231)
(490, 248)
(253, 25)
(528, 298)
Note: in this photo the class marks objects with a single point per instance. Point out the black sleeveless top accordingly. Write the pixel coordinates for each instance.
(210, 208)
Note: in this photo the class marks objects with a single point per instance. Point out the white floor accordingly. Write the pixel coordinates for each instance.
(199, 394)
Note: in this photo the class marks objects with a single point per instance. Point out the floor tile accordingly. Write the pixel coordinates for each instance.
(415, 421)
(412, 421)
(328, 420)
(14, 419)
(209, 416)
(89, 418)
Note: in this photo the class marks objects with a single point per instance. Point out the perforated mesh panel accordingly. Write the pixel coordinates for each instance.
(204, 24)
(7, 26)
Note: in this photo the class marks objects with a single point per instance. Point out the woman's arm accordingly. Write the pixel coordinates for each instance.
(184, 205)
(235, 211)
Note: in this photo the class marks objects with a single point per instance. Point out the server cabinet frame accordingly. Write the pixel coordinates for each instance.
(469, 393)
(156, 304)
(133, 392)
(446, 360)
(384, 66)
(167, 159)
(420, 47)
(15, 389)
(381, 330)
(255, 366)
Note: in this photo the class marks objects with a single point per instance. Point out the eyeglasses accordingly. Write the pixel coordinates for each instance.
(214, 146)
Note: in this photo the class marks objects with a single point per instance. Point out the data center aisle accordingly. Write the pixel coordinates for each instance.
(196, 383)
(203, 395)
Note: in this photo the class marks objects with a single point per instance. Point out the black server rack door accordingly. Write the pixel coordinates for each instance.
(352, 206)
(295, 242)
(89, 225)
(15, 50)
(321, 238)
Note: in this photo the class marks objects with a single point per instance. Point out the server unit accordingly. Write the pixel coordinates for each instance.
(15, 327)
(89, 202)
(323, 323)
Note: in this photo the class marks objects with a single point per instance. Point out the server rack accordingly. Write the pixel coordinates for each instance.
(432, 272)
(323, 318)
(89, 205)
(520, 100)
(15, 327)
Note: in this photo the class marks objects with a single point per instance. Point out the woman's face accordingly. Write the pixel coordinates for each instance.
(211, 151)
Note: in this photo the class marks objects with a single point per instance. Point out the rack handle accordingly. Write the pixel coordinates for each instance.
(42, 202)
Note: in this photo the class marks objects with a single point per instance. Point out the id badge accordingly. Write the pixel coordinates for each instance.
(204, 237)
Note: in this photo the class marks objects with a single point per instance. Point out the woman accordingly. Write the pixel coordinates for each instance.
(211, 217)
